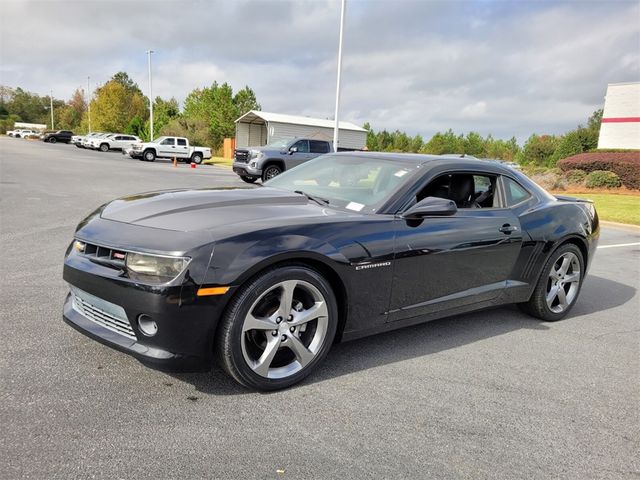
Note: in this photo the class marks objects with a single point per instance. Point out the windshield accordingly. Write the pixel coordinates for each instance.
(358, 183)
(158, 140)
(280, 143)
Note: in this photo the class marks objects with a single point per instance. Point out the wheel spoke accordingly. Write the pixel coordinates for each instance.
(264, 362)
(554, 275)
(572, 277)
(552, 295)
(565, 266)
(562, 297)
(286, 297)
(253, 323)
(319, 309)
(302, 353)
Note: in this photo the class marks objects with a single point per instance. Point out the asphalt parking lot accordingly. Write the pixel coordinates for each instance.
(494, 394)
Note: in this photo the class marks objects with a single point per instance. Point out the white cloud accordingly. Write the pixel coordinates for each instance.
(507, 68)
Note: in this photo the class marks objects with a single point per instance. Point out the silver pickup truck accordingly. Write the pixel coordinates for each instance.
(252, 163)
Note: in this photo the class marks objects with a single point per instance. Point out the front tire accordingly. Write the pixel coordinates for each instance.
(559, 285)
(104, 147)
(53, 140)
(270, 172)
(278, 328)
(149, 156)
(249, 179)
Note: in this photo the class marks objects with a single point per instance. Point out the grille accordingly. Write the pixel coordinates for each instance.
(106, 256)
(242, 156)
(106, 314)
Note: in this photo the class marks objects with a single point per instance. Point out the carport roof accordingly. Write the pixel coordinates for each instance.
(254, 115)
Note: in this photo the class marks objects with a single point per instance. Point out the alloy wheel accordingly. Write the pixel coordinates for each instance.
(563, 283)
(285, 329)
(271, 172)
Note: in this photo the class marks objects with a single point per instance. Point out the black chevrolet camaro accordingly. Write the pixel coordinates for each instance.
(266, 279)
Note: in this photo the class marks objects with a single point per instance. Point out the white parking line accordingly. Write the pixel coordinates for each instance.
(619, 245)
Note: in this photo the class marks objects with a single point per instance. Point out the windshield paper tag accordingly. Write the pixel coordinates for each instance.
(400, 173)
(355, 206)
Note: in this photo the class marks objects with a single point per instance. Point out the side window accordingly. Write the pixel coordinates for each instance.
(182, 142)
(120, 138)
(514, 192)
(317, 146)
(466, 189)
(168, 141)
(302, 146)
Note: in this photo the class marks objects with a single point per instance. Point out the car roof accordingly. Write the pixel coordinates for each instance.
(453, 160)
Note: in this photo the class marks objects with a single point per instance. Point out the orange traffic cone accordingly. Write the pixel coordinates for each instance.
(175, 162)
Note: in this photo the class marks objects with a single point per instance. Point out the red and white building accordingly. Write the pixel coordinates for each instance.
(620, 126)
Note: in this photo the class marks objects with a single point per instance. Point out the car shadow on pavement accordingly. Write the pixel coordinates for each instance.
(598, 294)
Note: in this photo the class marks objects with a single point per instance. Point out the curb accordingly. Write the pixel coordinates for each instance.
(623, 226)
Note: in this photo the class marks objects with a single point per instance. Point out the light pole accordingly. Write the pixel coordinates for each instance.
(337, 125)
(149, 52)
(51, 107)
(89, 104)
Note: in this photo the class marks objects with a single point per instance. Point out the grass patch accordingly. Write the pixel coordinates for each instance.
(614, 208)
(224, 162)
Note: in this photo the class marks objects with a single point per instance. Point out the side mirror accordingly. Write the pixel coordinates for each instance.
(293, 150)
(431, 206)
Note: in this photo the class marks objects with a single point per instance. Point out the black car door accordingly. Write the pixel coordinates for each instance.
(447, 262)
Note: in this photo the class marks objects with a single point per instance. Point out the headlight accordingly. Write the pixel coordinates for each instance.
(256, 154)
(153, 268)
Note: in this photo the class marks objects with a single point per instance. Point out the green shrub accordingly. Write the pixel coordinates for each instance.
(625, 164)
(575, 177)
(603, 179)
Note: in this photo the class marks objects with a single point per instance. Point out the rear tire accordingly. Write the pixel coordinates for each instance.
(249, 179)
(278, 328)
(559, 285)
(196, 158)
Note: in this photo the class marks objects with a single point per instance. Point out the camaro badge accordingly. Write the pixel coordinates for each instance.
(373, 265)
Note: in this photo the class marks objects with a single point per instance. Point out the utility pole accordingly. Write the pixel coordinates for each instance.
(337, 124)
(89, 103)
(51, 107)
(149, 52)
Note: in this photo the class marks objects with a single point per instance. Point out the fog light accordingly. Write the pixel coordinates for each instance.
(147, 325)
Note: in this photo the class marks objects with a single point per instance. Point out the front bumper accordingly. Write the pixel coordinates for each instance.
(186, 323)
(245, 170)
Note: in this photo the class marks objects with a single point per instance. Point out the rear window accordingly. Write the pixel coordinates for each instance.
(514, 192)
(317, 146)
(182, 141)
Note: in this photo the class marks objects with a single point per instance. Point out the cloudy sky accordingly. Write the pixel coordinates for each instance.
(501, 67)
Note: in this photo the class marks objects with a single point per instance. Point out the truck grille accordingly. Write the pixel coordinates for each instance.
(106, 314)
(241, 156)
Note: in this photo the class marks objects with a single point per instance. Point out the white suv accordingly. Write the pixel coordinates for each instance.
(115, 141)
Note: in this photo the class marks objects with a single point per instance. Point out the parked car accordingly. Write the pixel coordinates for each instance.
(266, 162)
(86, 141)
(63, 136)
(26, 134)
(266, 279)
(78, 139)
(114, 141)
(13, 133)
(169, 147)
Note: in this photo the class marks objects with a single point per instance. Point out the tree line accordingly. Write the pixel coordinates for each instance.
(208, 116)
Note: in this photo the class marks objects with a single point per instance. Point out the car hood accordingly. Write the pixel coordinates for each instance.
(213, 209)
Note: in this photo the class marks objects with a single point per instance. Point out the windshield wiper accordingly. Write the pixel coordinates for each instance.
(318, 200)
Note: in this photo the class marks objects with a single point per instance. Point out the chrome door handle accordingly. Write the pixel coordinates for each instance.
(506, 228)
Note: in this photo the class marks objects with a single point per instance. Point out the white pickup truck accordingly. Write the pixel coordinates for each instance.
(168, 147)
